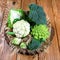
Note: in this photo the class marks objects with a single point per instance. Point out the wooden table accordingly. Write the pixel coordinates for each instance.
(52, 9)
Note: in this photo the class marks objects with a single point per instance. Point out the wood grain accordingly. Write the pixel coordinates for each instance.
(56, 9)
(53, 51)
(2, 9)
(26, 3)
(1, 18)
(26, 57)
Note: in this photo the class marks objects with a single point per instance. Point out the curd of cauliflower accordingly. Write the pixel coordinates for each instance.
(21, 28)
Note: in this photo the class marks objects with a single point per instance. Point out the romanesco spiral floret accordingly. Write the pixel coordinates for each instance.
(40, 31)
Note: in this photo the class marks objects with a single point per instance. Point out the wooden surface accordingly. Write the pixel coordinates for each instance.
(52, 9)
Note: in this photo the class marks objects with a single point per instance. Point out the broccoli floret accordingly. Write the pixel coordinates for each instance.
(34, 44)
(37, 14)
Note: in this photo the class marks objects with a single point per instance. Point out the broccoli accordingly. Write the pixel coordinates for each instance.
(37, 14)
(34, 44)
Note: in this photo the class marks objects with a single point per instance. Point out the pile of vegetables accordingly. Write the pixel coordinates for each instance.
(33, 23)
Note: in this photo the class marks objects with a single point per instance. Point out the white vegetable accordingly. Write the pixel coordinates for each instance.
(21, 28)
(14, 14)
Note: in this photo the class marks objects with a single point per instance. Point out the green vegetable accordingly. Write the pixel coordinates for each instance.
(14, 15)
(37, 14)
(15, 20)
(9, 22)
(34, 44)
(40, 31)
(16, 41)
(10, 33)
(23, 45)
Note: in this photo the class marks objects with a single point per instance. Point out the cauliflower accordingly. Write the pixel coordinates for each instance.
(16, 41)
(21, 28)
(14, 14)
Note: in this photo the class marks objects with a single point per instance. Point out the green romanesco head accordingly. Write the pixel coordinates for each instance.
(40, 31)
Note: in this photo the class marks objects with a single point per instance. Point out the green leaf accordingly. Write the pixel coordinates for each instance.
(37, 14)
(9, 22)
(10, 33)
(34, 44)
(15, 20)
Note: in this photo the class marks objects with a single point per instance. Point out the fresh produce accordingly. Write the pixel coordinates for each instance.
(37, 14)
(16, 41)
(28, 29)
(40, 31)
(21, 28)
(23, 45)
(14, 14)
(34, 44)
(10, 33)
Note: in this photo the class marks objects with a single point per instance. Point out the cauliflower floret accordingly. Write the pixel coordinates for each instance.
(16, 41)
(21, 28)
(15, 14)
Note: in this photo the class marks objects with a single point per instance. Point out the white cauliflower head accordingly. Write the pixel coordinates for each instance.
(14, 14)
(21, 28)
